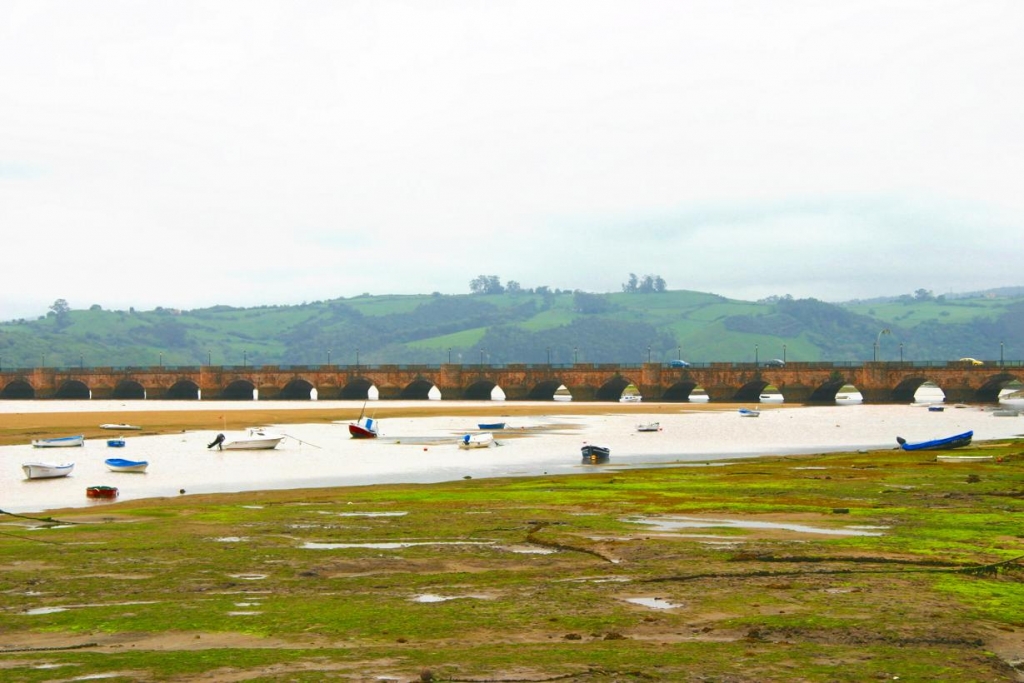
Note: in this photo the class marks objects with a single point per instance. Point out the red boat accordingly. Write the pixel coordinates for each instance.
(364, 428)
(101, 492)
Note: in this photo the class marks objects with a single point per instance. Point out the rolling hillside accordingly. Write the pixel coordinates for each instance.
(524, 327)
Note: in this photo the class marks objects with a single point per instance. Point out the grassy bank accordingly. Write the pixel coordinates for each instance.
(865, 566)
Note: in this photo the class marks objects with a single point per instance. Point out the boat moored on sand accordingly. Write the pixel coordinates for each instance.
(955, 441)
(123, 465)
(60, 442)
(255, 439)
(47, 470)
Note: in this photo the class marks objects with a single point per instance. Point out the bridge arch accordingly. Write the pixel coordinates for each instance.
(419, 390)
(545, 391)
(129, 389)
(183, 390)
(613, 388)
(297, 390)
(679, 392)
(905, 390)
(826, 393)
(751, 391)
(357, 389)
(989, 392)
(18, 389)
(239, 390)
(73, 389)
(480, 390)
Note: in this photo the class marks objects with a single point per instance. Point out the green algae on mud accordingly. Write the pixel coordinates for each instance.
(532, 578)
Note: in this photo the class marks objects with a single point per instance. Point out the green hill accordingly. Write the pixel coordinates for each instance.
(524, 327)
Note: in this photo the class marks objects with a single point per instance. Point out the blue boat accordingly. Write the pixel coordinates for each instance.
(489, 426)
(955, 441)
(115, 443)
(122, 465)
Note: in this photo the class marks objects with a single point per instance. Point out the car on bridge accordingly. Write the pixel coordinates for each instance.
(775, 363)
(678, 364)
(971, 361)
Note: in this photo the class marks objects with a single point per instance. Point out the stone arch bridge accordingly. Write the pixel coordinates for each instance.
(878, 382)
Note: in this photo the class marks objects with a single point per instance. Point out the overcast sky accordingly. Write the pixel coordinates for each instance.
(189, 154)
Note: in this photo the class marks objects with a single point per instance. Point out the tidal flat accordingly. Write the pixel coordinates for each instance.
(876, 565)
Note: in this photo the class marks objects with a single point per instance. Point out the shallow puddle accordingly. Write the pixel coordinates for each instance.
(45, 610)
(387, 546)
(653, 603)
(675, 523)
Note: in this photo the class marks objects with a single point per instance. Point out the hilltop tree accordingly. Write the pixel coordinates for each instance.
(486, 284)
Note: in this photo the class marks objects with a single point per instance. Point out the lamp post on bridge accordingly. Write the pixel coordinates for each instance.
(449, 355)
(209, 357)
(878, 341)
(549, 355)
(481, 357)
(756, 363)
(575, 354)
(245, 358)
(1000, 354)
(901, 353)
(161, 359)
(783, 353)
(648, 353)
(328, 358)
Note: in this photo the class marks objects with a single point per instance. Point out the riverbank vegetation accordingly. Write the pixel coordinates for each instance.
(842, 567)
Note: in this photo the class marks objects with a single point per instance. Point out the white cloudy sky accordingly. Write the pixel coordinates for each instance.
(187, 154)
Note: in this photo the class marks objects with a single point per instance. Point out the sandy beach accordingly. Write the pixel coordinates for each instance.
(419, 441)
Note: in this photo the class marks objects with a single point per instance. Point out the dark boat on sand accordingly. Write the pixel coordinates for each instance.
(955, 441)
(595, 455)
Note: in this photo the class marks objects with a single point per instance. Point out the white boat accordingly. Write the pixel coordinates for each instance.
(482, 440)
(963, 458)
(119, 426)
(1005, 412)
(60, 442)
(122, 465)
(747, 412)
(47, 470)
(649, 427)
(254, 439)
(631, 398)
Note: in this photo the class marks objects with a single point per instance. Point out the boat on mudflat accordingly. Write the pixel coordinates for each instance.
(749, 412)
(595, 455)
(101, 492)
(115, 443)
(649, 427)
(60, 442)
(363, 428)
(47, 470)
(123, 465)
(255, 439)
(120, 426)
(483, 440)
(490, 426)
(955, 441)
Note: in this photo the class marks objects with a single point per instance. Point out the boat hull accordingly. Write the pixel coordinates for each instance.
(101, 492)
(595, 455)
(45, 470)
(265, 443)
(364, 428)
(60, 442)
(491, 425)
(955, 441)
(476, 440)
(122, 465)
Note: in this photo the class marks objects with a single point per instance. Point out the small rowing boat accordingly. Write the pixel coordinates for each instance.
(482, 440)
(955, 441)
(490, 426)
(115, 443)
(119, 426)
(122, 465)
(60, 442)
(101, 492)
(749, 412)
(649, 427)
(47, 470)
(595, 455)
